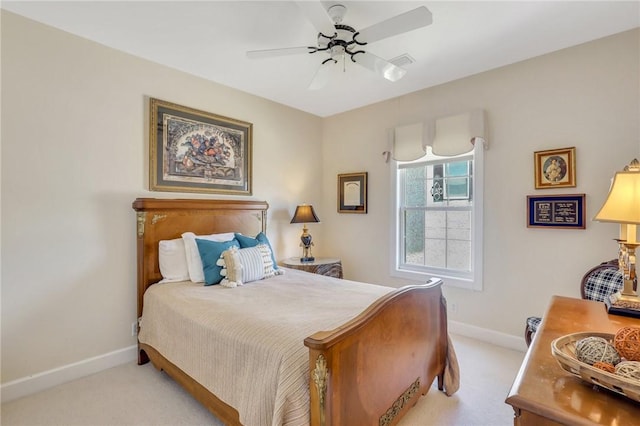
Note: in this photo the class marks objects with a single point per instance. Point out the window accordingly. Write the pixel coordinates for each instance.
(438, 219)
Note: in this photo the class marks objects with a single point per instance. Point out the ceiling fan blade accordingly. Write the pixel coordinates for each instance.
(322, 75)
(317, 15)
(378, 65)
(411, 20)
(271, 53)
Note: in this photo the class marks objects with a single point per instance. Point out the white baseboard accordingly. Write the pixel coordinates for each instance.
(47, 379)
(490, 336)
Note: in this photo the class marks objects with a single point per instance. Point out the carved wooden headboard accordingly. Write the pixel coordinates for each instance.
(163, 219)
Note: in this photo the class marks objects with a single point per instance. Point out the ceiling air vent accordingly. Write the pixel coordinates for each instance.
(402, 60)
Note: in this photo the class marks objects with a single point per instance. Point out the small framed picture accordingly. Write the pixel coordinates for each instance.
(555, 168)
(556, 211)
(352, 192)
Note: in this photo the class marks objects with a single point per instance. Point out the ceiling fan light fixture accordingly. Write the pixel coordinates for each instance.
(393, 73)
(337, 51)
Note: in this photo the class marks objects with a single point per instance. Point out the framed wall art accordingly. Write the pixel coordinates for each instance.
(352, 192)
(556, 211)
(197, 151)
(555, 168)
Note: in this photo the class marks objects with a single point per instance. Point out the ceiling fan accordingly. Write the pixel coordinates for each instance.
(341, 41)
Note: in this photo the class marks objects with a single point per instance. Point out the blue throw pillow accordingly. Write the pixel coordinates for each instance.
(261, 238)
(210, 252)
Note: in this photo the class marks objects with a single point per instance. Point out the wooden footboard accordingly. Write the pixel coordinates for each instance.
(375, 367)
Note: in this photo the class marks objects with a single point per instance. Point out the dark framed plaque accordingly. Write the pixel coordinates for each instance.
(556, 211)
(352, 192)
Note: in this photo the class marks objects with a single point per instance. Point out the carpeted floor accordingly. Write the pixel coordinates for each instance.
(139, 395)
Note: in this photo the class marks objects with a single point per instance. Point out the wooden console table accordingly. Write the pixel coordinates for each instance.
(545, 394)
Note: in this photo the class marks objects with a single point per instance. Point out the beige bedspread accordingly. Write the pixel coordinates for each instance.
(245, 344)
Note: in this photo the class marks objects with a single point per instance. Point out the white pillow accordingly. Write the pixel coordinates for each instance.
(241, 266)
(172, 260)
(194, 262)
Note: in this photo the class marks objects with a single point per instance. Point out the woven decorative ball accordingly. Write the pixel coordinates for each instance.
(609, 368)
(593, 349)
(629, 370)
(627, 343)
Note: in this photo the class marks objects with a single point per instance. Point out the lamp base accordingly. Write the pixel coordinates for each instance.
(306, 243)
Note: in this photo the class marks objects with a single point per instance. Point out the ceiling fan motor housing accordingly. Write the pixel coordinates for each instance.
(340, 43)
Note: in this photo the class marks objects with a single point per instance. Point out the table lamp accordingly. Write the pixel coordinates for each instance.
(623, 206)
(304, 214)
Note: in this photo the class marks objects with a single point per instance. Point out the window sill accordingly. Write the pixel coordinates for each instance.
(449, 281)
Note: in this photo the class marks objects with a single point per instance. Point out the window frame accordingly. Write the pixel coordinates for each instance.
(467, 280)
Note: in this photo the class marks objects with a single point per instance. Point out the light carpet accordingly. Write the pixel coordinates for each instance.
(140, 395)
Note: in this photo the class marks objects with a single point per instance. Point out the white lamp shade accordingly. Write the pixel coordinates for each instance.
(623, 202)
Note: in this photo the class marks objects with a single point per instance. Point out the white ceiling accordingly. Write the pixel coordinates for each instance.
(209, 39)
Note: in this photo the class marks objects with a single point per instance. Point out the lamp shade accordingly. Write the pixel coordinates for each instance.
(305, 214)
(623, 202)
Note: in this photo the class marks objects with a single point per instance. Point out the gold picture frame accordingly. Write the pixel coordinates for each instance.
(555, 168)
(197, 151)
(352, 193)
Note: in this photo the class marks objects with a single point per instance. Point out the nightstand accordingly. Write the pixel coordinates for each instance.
(327, 266)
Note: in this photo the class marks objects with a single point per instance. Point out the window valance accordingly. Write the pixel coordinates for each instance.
(447, 136)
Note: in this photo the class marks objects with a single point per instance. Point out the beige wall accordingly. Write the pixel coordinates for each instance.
(74, 142)
(586, 96)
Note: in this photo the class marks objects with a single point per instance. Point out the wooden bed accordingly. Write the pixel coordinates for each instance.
(390, 353)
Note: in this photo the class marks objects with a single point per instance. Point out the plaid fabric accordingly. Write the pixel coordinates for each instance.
(598, 286)
(602, 284)
(533, 323)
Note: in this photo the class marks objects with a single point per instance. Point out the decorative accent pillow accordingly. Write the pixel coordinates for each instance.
(194, 262)
(210, 252)
(261, 238)
(240, 266)
(231, 268)
(172, 260)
